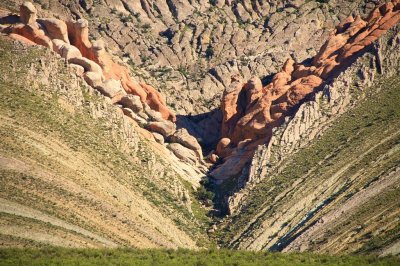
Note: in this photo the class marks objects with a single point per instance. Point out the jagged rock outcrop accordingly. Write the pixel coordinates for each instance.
(95, 65)
(108, 185)
(314, 187)
(44, 31)
(190, 58)
(251, 112)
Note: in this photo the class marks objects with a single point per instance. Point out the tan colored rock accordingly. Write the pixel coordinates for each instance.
(77, 69)
(128, 112)
(66, 50)
(158, 137)
(183, 137)
(28, 13)
(183, 153)
(87, 64)
(55, 29)
(165, 128)
(132, 102)
(112, 88)
(94, 79)
(151, 114)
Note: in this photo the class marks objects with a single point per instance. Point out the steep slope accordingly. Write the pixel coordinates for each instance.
(189, 49)
(75, 171)
(328, 181)
(309, 156)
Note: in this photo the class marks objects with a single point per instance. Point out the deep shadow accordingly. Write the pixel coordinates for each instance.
(206, 128)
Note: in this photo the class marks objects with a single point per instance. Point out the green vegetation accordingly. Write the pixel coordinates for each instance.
(35, 110)
(63, 256)
(354, 138)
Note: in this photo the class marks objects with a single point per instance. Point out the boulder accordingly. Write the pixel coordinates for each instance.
(165, 128)
(66, 50)
(77, 69)
(55, 28)
(183, 153)
(212, 157)
(87, 64)
(183, 137)
(132, 102)
(128, 112)
(93, 79)
(112, 88)
(28, 13)
(158, 137)
(152, 114)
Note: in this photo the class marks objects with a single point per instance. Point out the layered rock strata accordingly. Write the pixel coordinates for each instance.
(251, 112)
(95, 65)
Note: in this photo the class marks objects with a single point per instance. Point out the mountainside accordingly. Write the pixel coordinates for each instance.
(255, 125)
(77, 172)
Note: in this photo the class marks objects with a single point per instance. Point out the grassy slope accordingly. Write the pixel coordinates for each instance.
(362, 147)
(66, 165)
(180, 257)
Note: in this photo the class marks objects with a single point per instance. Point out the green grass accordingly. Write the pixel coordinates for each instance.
(62, 256)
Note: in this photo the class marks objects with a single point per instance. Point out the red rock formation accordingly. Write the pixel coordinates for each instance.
(251, 111)
(71, 41)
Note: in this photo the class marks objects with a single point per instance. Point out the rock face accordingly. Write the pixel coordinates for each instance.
(71, 41)
(90, 60)
(27, 13)
(301, 191)
(165, 128)
(115, 212)
(183, 137)
(251, 112)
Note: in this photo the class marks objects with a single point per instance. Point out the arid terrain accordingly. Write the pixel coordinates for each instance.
(246, 125)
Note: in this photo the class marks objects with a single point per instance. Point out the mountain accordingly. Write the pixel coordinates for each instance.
(253, 125)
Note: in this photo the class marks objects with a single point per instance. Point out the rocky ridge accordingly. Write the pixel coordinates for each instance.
(139, 101)
(314, 117)
(292, 124)
(293, 189)
(251, 111)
